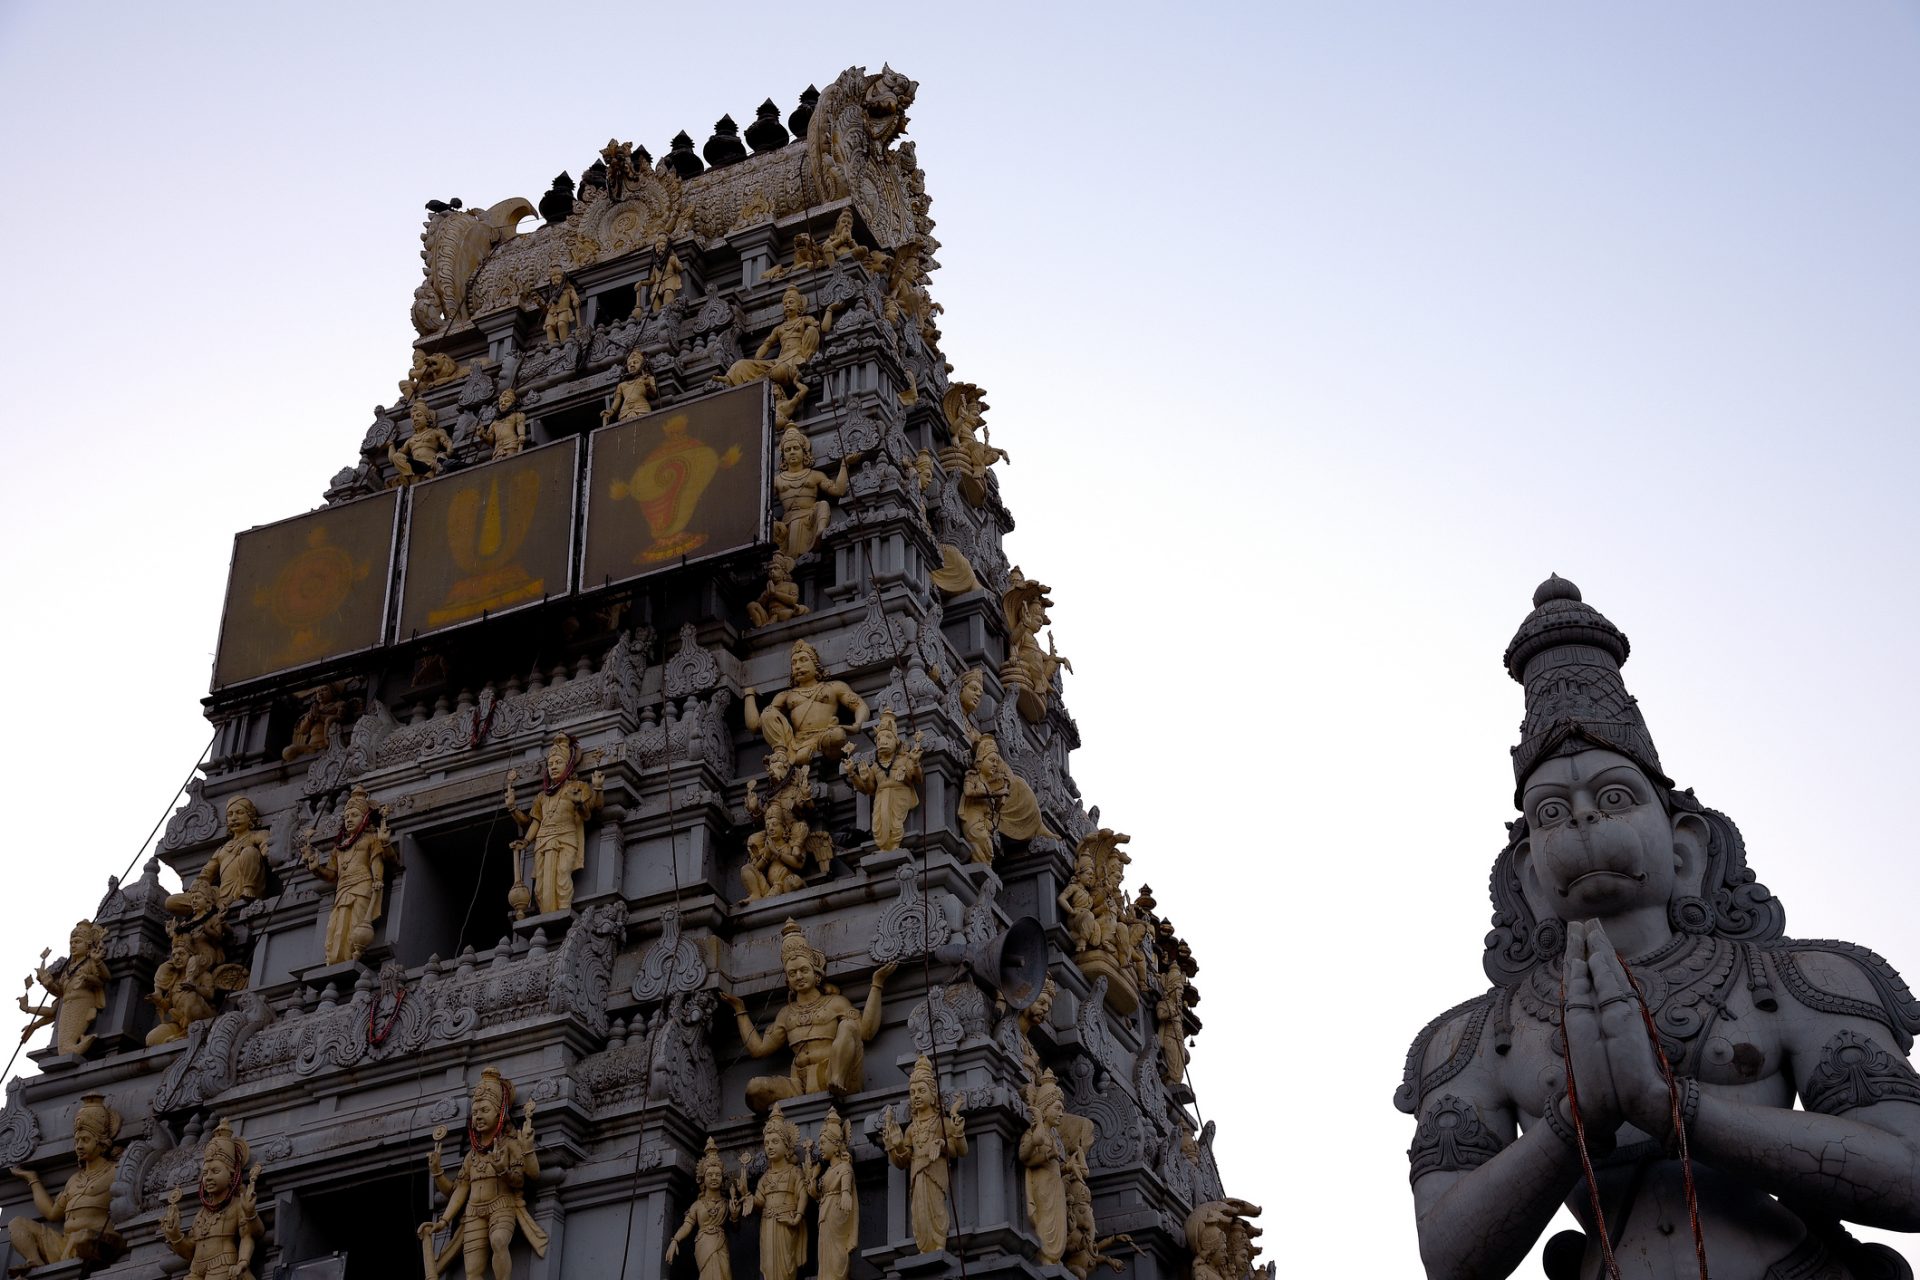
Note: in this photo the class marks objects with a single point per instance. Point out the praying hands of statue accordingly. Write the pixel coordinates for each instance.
(1616, 1073)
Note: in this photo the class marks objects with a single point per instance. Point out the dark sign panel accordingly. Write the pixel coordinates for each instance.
(489, 539)
(307, 590)
(683, 484)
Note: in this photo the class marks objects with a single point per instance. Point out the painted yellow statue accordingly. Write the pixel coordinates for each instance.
(806, 256)
(777, 853)
(633, 397)
(926, 1148)
(803, 493)
(667, 278)
(1041, 1154)
(196, 968)
(563, 307)
(1170, 1013)
(827, 1035)
(423, 452)
(834, 1190)
(803, 719)
(1107, 928)
(780, 599)
(993, 798)
(782, 353)
(78, 988)
(840, 242)
(556, 826)
(972, 450)
(220, 1243)
(327, 705)
(780, 1198)
(75, 1223)
(507, 433)
(237, 871)
(356, 865)
(1028, 672)
(707, 1219)
(487, 1197)
(890, 775)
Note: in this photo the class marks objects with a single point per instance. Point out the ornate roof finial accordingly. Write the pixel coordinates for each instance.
(804, 112)
(558, 202)
(724, 147)
(680, 157)
(766, 133)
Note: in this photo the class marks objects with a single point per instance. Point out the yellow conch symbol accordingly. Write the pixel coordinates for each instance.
(668, 484)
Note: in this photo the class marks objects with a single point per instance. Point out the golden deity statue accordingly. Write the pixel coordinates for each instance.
(1042, 1152)
(237, 871)
(780, 1198)
(667, 279)
(972, 450)
(803, 494)
(993, 798)
(487, 1197)
(777, 853)
(563, 307)
(782, 353)
(507, 433)
(707, 1219)
(890, 776)
(356, 865)
(780, 599)
(803, 719)
(74, 1222)
(827, 1035)
(78, 988)
(926, 1148)
(220, 1243)
(834, 1190)
(423, 452)
(555, 827)
(633, 397)
(1028, 672)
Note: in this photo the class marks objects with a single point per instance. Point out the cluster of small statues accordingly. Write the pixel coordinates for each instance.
(197, 967)
(803, 493)
(800, 724)
(1107, 928)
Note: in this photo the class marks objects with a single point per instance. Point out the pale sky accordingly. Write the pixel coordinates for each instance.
(1319, 334)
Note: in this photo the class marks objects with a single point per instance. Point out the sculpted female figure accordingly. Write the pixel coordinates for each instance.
(925, 1149)
(780, 1199)
(803, 719)
(488, 1196)
(76, 1224)
(707, 1219)
(220, 1244)
(889, 775)
(356, 866)
(556, 826)
(78, 987)
(835, 1192)
(1610, 868)
(827, 1034)
(1042, 1153)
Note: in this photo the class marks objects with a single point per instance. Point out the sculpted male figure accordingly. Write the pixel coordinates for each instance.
(828, 1035)
(1616, 888)
(356, 865)
(803, 719)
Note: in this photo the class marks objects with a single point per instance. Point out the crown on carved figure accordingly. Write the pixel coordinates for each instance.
(493, 1084)
(709, 1159)
(224, 1149)
(778, 1126)
(793, 942)
(923, 1073)
(96, 1117)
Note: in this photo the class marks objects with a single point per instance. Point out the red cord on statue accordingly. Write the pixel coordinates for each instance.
(1679, 1121)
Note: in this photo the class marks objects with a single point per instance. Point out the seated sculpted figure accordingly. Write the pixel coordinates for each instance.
(803, 719)
(1623, 908)
(803, 492)
(425, 451)
(827, 1034)
(782, 353)
(76, 1224)
(237, 871)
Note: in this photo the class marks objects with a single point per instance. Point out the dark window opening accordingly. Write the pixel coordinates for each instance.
(576, 421)
(457, 884)
(615, 305)
(372, 1222)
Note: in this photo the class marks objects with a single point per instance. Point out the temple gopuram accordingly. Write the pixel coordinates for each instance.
(638, 838)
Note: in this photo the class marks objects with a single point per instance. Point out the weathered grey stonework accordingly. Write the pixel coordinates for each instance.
(608, 1014)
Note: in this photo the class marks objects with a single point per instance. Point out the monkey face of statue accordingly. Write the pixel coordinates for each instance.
(1600, 842)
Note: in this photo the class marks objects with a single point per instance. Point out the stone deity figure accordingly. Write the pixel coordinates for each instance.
(186, 982)
(563, 307)
(667, 279)
(237, 871)
(972, 452)
(890, 775)
(780, 599)
(803, 719)
(803, 493)
(556, 826)
(1028, 672)
(423, 452)
(827, 1034)
(1221, 1238)
(633, 397)
(1041, 1154)
(780, 1198)
(220, 1243)
(507, 433)
(782, 354)
(487, 1197)
(707, 1219)
(327, 705)
(806, 256)
(78, 987)
(75, 1221)
(777, 853)
(994, 799)
(840, 242)
(1170, 1014)
(835, 1191)
(357, 865)
(926, 1148)
(1621, 902)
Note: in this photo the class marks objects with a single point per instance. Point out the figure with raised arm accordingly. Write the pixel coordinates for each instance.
(827, 1034)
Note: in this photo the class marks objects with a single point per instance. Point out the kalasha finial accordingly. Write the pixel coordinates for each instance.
(680, 157)
(804, 112)
(558, 202)
(1555, 588)
(766, 133)
(724, 147)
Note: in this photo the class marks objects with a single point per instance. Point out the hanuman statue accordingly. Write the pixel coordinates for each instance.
(1649, 1027)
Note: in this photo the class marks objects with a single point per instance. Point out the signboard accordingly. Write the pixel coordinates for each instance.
(687, 483)
(489, 539)
(307, 590)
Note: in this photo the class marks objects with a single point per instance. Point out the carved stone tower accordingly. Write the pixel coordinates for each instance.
(650, 759)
